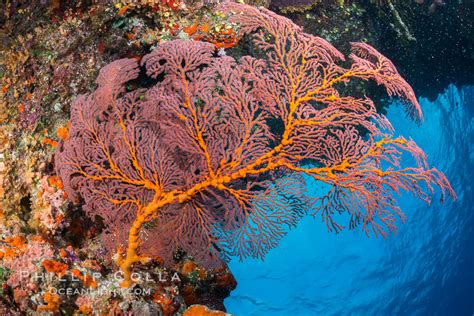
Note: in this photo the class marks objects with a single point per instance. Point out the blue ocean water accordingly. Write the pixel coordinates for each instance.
(426, 269)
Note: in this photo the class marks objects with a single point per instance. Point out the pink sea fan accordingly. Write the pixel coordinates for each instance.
(212, 158)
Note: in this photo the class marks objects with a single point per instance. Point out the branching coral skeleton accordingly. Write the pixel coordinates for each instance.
(211, 159)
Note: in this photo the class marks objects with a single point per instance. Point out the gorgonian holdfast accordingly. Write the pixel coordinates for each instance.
(192, 162)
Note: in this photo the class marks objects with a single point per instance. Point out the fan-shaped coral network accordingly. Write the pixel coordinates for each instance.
(213, 158)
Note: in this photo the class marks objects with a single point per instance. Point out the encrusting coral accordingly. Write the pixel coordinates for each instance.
(212, 159)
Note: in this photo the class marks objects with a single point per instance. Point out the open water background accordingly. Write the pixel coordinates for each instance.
(426, 269)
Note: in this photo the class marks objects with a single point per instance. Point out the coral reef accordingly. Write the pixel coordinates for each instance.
(45, 63)
(52, 254)
(240, 187)
(35, 277)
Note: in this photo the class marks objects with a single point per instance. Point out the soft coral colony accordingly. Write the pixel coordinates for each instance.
(212, 159)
